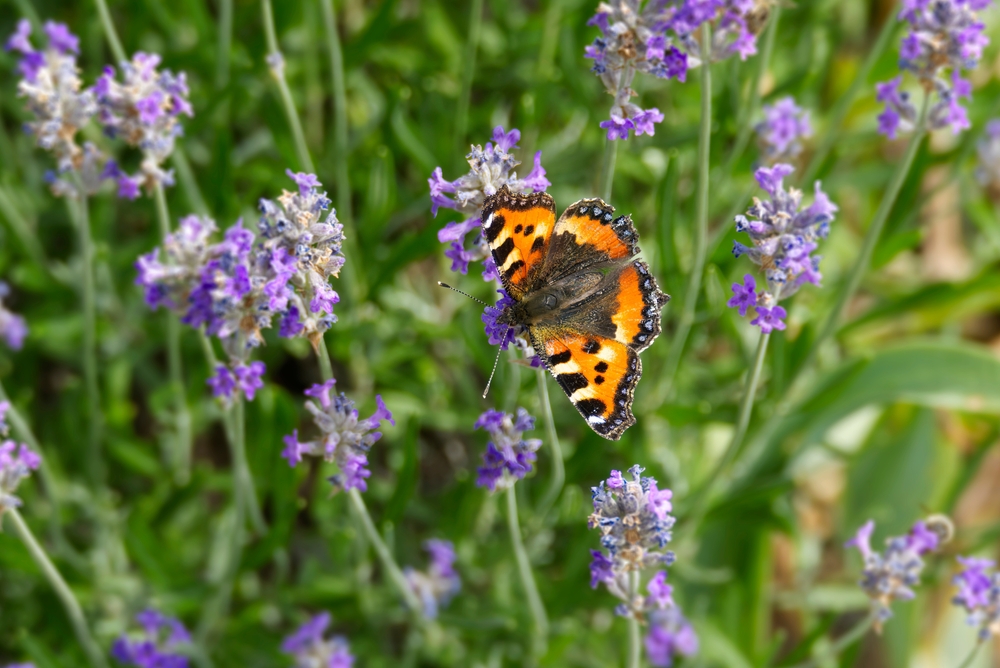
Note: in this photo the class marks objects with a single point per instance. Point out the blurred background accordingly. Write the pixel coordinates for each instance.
(900, 418)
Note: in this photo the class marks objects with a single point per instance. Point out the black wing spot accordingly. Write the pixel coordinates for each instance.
(560, 358)
(518, 228)
(591, 407)
(538, 244)
(591, 347)
(502, 251)
(528, 230)
(601, 367)
(571, 382)
(512, 269)
(599, 380)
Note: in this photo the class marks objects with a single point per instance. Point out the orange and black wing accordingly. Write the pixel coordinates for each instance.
(587, 236)
(598, 375)
(517, 229)
(594, 353)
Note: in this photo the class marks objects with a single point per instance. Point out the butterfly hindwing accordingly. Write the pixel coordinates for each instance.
(599, 376)
(638, 304)
(518, 229)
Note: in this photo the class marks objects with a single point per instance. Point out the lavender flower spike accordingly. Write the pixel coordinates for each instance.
(309, 649)
(784, 235)
(945, 38)
(509, 456)
(13, 328)
(440, 583)
(345, 439)
(781, 132)
(17, 461)
(894, 573)
(670, 635)
(979, 594)
(490, 168)
(59, 106)
(657, 39)
(156, 646)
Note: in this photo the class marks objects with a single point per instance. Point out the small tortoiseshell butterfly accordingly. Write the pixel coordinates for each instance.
(589, 308)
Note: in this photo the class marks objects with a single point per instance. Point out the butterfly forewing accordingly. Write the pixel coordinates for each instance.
(517, 229)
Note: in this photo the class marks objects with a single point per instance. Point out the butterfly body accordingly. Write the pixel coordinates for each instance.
(588, 306)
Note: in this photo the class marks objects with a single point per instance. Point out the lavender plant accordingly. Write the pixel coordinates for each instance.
(979, 594)
(781, 132)
(310, 649)
(490, 168)
(156, 646)
(440, 583)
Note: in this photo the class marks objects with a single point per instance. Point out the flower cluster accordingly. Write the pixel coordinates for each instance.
(979, 594)
(346, 440)
(440, 583)
(945, 37)
(310, 649)
(657, 38)
(13, 328)
(784, 235)
(157, 646)
(143, 110)
(781, 132)
(508, 456)
(227, 383)
(236, 287)
(60, 106)
(988, 148)
(634, 519)
(489, 169)
(893, 574)
(17, 461)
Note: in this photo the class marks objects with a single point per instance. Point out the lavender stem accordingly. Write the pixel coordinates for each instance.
(608, 169)
(535, 606)
(110, 33)
(634, 641)
(558, 466)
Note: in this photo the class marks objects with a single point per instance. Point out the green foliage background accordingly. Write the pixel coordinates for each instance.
(904, 403)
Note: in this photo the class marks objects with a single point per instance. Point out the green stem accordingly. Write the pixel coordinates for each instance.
(468, 74)
(634, 636)
(222, 64)
(276, 63)
(185, 175)
(217, 607)
(872, 236)
(72, 606)
(608, 169)
(344, 208)
(384, 555)
(110, 33)
(182, 444)
(323, 355)
(704, 496)
(25, 434)
(843, 642)
(95, 458)
(558, 466)
(537, 609)
(747, 113)
(701, 224)
(550, 40)
(843, 105)
(972, 655)
(22, 230)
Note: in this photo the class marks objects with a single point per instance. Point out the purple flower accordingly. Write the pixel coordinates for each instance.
(894, 573)
(60, 38)
(670, 635)
(509, 456)
(497, 332)
(20, 40)
(784, 127)
(490, 169)
(157, 646)
(617, 127)
(305, 182)
(744, 296)
(644, 121)
(661, 595)
(17, 461)
(345, 439)
(440, 583)
(601, 569)
(310, 649)
(222, 383)
(248, 378)
(615, 481)
(974, 583)
(769, 319)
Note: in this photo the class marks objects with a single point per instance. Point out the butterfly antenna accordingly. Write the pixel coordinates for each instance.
(490, 381)
(475, 299)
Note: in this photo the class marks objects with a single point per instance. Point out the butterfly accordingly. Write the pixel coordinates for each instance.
(589, 307)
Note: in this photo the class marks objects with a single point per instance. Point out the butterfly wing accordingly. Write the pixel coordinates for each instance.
(518, 229)
(593, 352)
(589, 236)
